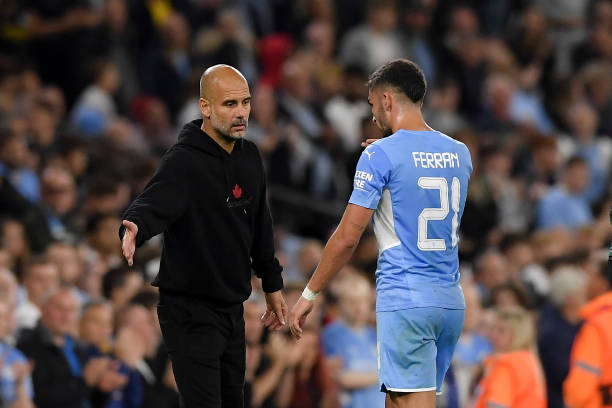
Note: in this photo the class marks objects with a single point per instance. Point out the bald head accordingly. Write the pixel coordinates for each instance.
(216, 73)
(225, 103)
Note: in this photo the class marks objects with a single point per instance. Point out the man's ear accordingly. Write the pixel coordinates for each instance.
(387, 101)
(205, 107)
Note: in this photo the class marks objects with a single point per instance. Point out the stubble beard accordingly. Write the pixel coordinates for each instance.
(225, 131)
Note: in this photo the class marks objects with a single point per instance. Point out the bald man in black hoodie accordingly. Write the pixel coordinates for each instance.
(208, 197)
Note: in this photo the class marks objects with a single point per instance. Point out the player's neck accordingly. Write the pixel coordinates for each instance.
(409, 118)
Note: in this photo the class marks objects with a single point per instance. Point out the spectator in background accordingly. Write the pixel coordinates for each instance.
(153, 120)
(96, 325)
(267, 362)
(587, 384)
(513, 376)
(8, 292)
(14, 242)
(296, 98)
(59, 200)
(311, 382)
(156, 375)
(524, 270)
(115, 38)
(441, 107)
(95, 330)
(69, 265)
(72, 153)
(565, 28)
(584, 142)
(42, 126)
(490, 270)
(107, 195)
(120, 285)
(557, 327)
(14, 155)
(55, 31)
(170, 60)
(40, 278)
(62, 374)
(497, 114)
(96, 107)
(308, 258)
(320, 51)
(100, 230)
(15, 380)
(509, 294)
(375, 42)
(598, 44)
(353, 342)
(345, 111)
(564, 205)
(138, 318)
(598, 90)
(473, 346)
(264, 128)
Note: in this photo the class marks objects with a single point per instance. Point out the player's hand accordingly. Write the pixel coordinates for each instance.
(128, 245)
(276, 311)
(368, 142)
(297, 316)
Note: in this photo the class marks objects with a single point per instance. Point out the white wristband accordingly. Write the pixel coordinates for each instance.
(309, 294)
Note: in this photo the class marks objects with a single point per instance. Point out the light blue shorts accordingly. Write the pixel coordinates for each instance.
(415, 347)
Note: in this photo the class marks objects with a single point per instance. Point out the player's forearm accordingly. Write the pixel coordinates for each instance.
(351, 380)
(337, 253)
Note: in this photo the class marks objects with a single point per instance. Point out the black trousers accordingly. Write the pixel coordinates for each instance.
(207, 348)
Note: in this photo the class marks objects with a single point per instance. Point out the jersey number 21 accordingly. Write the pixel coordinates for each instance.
(438, 214)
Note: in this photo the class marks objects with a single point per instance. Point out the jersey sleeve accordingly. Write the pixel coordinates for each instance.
(371, 176)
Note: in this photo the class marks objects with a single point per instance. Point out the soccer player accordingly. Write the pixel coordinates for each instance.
(414, 182)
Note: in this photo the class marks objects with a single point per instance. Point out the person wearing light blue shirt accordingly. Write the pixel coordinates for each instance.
(413, 183)
(565, 204)
(351, 340)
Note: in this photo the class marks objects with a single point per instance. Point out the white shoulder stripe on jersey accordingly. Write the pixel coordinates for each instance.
(384, 227)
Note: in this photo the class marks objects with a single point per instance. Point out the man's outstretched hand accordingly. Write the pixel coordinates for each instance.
(298, 314)
(276, 311)
(128, 245)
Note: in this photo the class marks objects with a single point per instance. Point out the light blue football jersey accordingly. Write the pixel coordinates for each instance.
(416, 181)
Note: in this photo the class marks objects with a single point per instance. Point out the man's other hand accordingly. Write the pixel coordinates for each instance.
(298, 314)
(276, 311)
(128, 245)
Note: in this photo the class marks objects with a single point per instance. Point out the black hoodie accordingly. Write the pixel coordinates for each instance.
(213, 211)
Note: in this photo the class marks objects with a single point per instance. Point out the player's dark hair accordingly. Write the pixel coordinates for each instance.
(402, 74)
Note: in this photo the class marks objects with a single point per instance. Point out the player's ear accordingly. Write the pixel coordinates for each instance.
(205, 107)
(387, 101)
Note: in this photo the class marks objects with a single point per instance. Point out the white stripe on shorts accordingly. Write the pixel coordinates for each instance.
(410, 389)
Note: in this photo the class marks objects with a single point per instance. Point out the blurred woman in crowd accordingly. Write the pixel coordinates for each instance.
(513, 377)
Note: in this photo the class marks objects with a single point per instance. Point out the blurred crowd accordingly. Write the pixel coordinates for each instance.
(92, 93)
